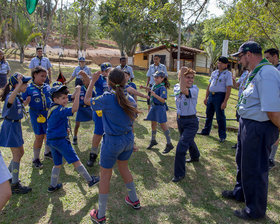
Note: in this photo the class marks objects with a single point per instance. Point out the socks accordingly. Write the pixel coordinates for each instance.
(102, 204)
(47, 149)
(154, 133)
(167, 136)
(15, 172)
(55, 176)
(94, 150)
(84, 173)
(131, 191)
(11, 166)
(36, 153)
(273, 152)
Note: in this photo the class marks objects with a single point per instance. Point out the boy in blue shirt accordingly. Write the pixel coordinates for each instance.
(57, 134)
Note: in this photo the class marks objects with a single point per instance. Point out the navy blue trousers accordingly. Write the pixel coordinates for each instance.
(214, 105)
(253, 149)
(187, 129)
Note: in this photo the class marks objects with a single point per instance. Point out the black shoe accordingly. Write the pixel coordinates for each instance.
(48, 156)
(168, 148)
(19, 189)
(152, 143)
(242, 214)
(52, 189)
(230, 195)
(271, 164)
(37, 164)
(75, 140)
(94, 181)
(202, 133)
(222, 140)
(191, 160)
(234, 147)
(92, 159)
(177, 179)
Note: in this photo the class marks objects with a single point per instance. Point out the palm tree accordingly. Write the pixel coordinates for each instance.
(213, 51)
(22, 34)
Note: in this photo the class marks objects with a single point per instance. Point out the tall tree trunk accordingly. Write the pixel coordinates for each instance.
(21, 55)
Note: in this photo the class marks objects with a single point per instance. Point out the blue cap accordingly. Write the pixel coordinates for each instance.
(159, 74)
(56, 89)
(82, 59)
(57, 83)
(104, 66)
(13, 79)
(251, 46)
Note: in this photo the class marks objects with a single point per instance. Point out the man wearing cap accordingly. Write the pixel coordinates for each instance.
(217, 95)
(81, 67)
(259, 110)
(39, 60)
(123, 66)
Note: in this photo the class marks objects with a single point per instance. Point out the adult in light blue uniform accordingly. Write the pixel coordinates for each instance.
(272, 55)
(123, 66)
(217, 95)
(4, 70)
(81, 67)
(186, 99)
(11, 132)
(259, 109)
(118, 140)
(39, 60)
(156, 67)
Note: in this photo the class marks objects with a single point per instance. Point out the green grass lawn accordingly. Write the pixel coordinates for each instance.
(196, 199)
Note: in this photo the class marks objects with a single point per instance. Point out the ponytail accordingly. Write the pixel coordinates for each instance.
(5, 92)
(117, 81)
(166, 83)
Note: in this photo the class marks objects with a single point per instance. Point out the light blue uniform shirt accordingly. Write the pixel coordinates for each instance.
(4, 67)
(44, 62)
(220, 80)
(153, 69)
(78, 69)
(128, 69)
(242, 81)
(186, 105)
(261, 95)
(278, 67)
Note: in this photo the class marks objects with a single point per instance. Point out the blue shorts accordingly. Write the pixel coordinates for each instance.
(62, 148)
(4, 172)
(11, 134)
(98, 124)
(84, 114)
(38, 128)
(116, 147)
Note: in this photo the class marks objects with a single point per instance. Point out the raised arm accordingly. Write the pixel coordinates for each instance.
(88, 95)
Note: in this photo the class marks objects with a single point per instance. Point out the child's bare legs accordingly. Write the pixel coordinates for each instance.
(5, 193)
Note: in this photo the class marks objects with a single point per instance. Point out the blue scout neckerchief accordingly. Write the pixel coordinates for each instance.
(41, 118)
(251, 77)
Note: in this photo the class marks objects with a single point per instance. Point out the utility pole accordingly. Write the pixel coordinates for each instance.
(179, 38)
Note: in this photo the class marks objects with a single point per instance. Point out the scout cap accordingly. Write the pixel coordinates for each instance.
(82, 59)
(251, 46)
(104, 66)
(57, 89)
(159, 74)
(57, 83)
(13, 80)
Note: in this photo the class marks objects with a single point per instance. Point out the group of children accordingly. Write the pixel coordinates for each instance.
(113, 110)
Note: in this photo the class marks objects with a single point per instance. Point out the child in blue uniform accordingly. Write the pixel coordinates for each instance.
(5, 188)
(117, 146)
(38, 97)
(57, 136)
(157, 113)
(101, 86)
(84, 113)
(11, 132)
(186, 99)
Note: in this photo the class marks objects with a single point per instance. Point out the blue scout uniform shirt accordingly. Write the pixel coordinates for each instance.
(162, 92)
(36, 61)
(242, 81)
(153, 69)
(14, 112)
(220, 80)
(4, 67)
(128, 69)
(115, 120)
(186, 105)
(58, 121)
(78, 69)
(101, 85)
(38, 102)
(261, 95)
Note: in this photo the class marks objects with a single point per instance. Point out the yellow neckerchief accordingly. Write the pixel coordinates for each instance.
(55, 106)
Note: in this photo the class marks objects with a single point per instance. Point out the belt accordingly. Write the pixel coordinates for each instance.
(85, 106)
(13, 121)
(213, 93)
(184, 117)
(123, 133)
(58, 138)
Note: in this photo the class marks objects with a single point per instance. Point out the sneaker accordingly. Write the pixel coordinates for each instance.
(168, 148)
(52, 189)
(230, 195)
(75, 140)
(94, 217)
(152, 143)
(94, 181)
(222, 140)
(271, 164)
(19, 189)
(92, 159)
(37, 164)
(48, 156)
(136, 205)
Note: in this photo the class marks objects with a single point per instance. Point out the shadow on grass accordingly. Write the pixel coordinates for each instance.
(141, 130)
(27, 123)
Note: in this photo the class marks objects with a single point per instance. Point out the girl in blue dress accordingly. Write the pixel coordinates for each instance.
(11, 132)
(157, 113)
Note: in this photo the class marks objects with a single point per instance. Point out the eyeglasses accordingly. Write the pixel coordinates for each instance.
(240, 56)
